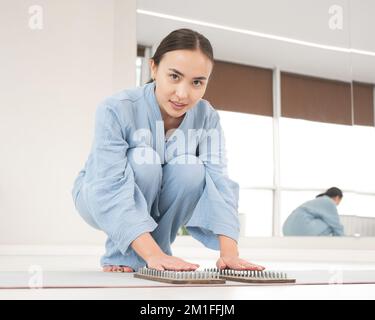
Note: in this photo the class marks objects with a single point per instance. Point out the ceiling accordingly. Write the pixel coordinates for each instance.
(292, 35)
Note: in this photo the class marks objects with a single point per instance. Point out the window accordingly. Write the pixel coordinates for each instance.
(317, 155)
(138, 66)
(255, 210)
(355, 204)
(249, 145)
(363, 157)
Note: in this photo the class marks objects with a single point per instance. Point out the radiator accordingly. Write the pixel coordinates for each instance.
(358, 226)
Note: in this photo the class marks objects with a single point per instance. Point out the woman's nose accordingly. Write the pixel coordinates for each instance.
(182, 93)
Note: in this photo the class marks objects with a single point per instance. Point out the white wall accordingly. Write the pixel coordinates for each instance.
(51, 81)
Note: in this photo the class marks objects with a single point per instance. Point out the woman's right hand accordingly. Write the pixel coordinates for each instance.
(165, 262)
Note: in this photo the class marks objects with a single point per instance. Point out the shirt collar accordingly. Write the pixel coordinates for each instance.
(151, 98)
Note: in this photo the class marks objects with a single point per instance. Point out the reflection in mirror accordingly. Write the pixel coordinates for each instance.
(316, 217)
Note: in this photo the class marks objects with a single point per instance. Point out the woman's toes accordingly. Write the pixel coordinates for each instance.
(126, 269)
(107, 268)
(117, 269)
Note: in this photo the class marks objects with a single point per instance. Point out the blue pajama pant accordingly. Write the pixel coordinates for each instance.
(171, 191)
(301, 223)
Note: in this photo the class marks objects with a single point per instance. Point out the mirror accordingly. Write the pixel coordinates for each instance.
(294, 86)
(358, 213)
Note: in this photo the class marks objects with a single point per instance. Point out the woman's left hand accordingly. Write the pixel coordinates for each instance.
(236, 263)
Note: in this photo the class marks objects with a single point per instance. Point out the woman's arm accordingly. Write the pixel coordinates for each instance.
(110, 187)
(146, 247)
(216, 164)
(229, 256)
(215, 220)
(228, 247)
(330, 215)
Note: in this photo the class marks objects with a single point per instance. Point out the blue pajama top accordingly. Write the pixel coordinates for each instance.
(107, 180)
(317, 217)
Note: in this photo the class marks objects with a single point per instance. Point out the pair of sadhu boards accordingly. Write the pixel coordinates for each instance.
(213, 276)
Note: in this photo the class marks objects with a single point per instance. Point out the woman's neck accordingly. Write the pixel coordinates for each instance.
(170, 122)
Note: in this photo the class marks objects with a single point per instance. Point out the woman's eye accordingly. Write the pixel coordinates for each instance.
(196, 83)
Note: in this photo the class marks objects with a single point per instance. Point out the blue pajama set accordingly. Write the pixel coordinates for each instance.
(137, 180)
(317, 217)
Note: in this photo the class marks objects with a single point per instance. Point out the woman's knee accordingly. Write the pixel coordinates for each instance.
(187, 170)
(146, 165)
(83, 210)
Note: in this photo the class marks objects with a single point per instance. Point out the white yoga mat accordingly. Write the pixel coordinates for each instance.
(93, 279)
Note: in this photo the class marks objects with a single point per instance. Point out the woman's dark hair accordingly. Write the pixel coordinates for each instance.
(183, 39)
(332, 193)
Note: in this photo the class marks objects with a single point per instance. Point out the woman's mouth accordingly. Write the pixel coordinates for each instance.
(177, 106)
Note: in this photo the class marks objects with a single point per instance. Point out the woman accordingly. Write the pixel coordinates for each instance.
(158, 163)
(318, 217)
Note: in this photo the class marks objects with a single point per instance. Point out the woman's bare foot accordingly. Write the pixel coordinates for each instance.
(117, 269)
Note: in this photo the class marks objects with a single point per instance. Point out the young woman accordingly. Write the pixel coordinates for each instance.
(317, 217)
(158, 163)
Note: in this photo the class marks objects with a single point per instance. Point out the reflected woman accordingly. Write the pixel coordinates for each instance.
(317, 217)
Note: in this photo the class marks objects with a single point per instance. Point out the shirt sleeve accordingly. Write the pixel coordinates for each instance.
(330, 215)
(216, 212)
(114, 199)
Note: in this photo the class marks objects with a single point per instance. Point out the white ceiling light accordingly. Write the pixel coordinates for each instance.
(255, 33)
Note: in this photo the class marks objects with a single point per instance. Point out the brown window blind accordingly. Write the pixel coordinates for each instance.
(363, 102)
(315, 99)
(240, 88)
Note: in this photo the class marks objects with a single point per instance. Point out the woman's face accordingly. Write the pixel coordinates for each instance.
(337, 200)
(181, 80)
